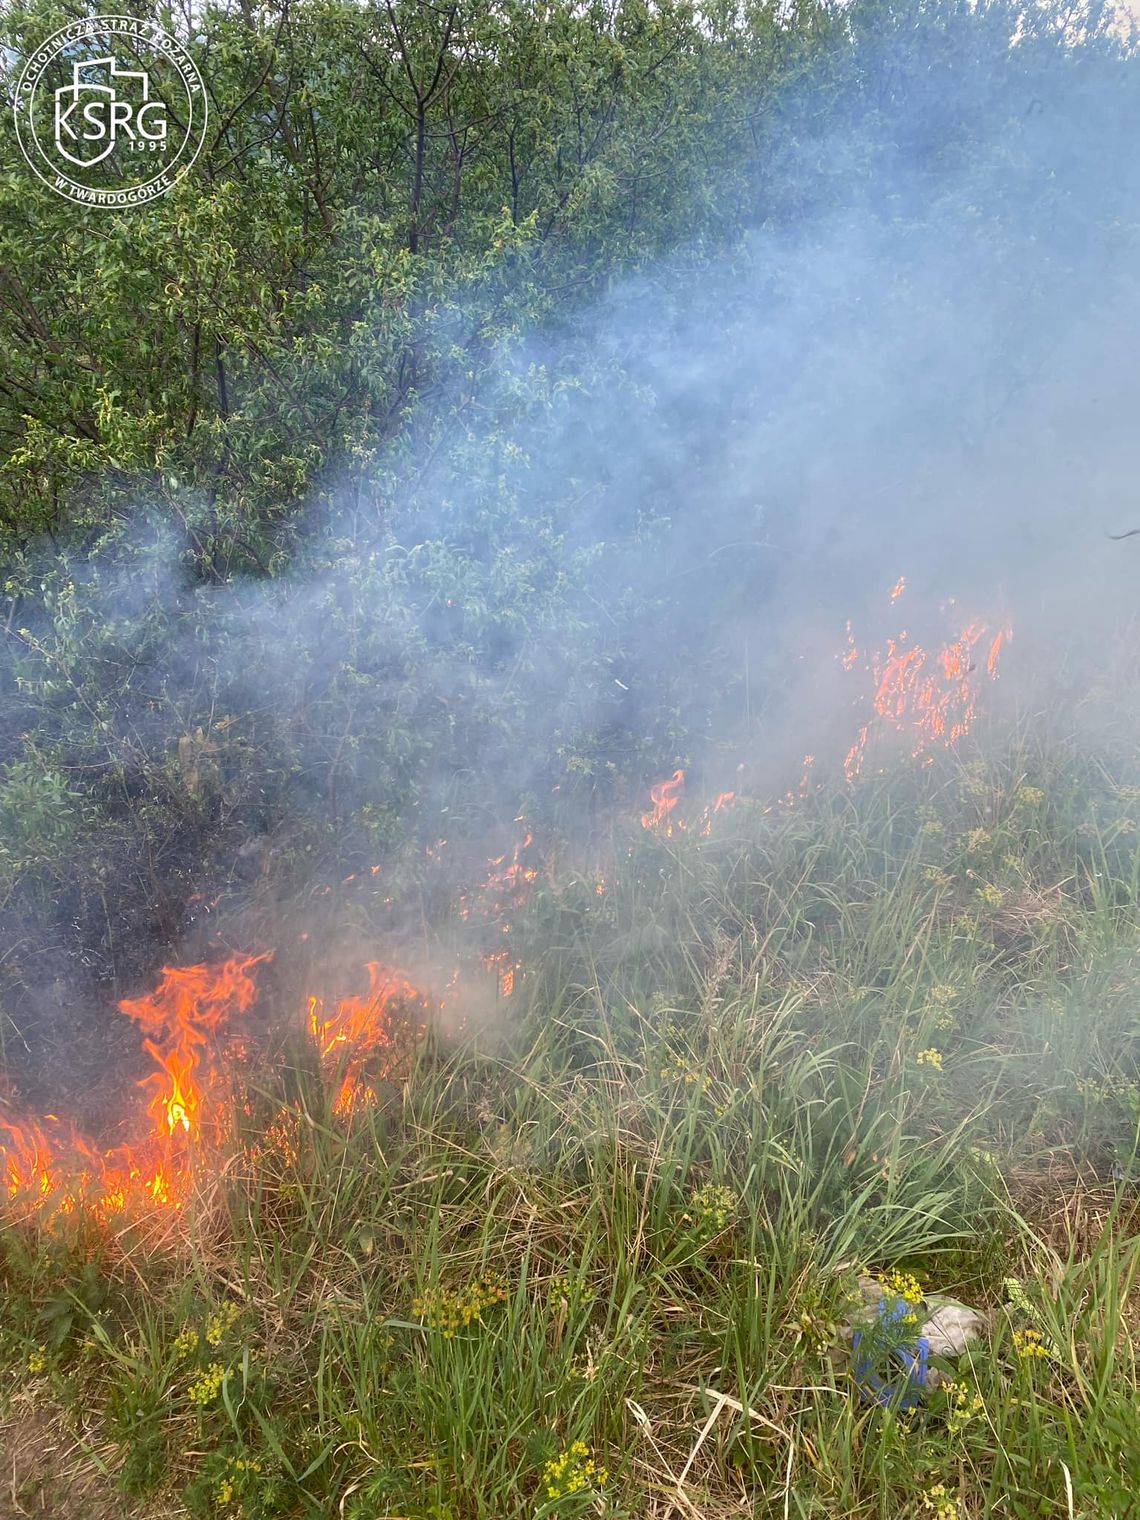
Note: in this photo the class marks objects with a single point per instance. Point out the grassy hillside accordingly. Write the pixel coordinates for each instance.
(597, 1255)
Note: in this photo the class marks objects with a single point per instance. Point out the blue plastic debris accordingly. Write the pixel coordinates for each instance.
(906, 1391)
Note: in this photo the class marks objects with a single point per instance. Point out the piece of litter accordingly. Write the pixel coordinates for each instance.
(951, 1327)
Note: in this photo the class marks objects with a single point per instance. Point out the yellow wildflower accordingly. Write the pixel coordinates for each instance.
(943, 996)
(237, 1470)
(186, 1342)
(710, 1209)
(1030, 1344)
(572, 1471)
(681, 1071)
(938, 1502)
(205, 1389)
(449, 1310)
(931, 1057)
(902, 1285)
(568, 1293)
(965, 1405)
(220, 1323)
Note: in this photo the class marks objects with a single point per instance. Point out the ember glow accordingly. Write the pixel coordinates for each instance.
(507, 886)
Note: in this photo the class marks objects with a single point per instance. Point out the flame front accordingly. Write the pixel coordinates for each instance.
(928, 698)
(178, 1021)
(52, 1167)
(50, 1162)
(355, 1042)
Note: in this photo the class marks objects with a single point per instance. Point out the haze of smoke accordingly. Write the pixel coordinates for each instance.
(645, 550)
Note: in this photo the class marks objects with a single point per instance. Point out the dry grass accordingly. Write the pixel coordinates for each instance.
(51, 1471)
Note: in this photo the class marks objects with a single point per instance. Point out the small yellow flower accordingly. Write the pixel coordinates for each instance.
(205, 1389)
(186, 1342)
(974, 782)
(38, 1359)
(449, 1310)
(238, 1469)
(1029, 796)
(220, 1323)
(903, 1293)
(966, 1404)
(937, 1501)
(902, 1285)
(572, 1472)
(943, 996)
(978, 840)
(681, 1071)
(567, 1293)
(710, 1209)
(992, 896)
(1030, 1344)
(931, 1057)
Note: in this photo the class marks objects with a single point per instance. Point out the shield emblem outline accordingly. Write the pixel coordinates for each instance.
(80, 87)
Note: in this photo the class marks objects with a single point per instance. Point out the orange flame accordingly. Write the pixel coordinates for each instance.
(177, 1020)
(930, 699)
(350, 1040)
(664, 796)
(30, 1159)
(506, 885)
(511, 884)
(50, 1166)
(505, 968)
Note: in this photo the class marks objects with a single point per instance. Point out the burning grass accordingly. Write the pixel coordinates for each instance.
(53, 1171)
(619, 1232)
